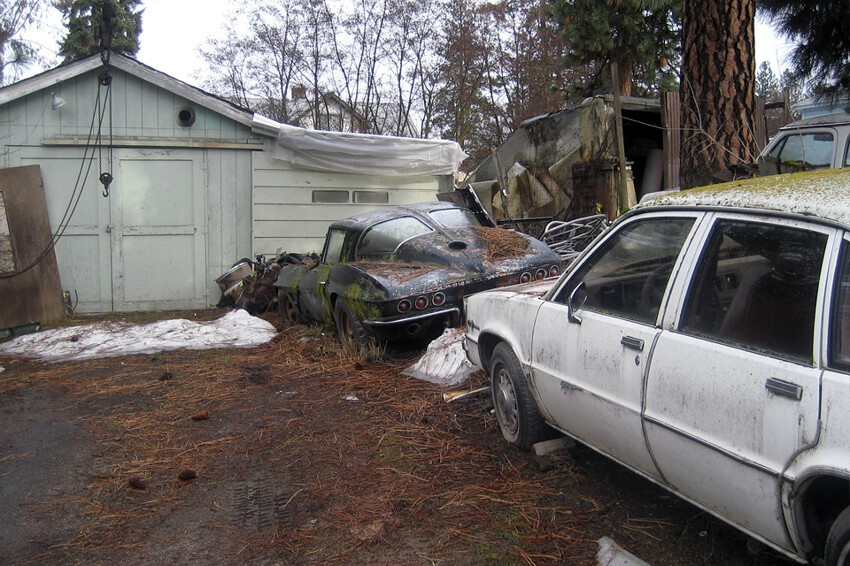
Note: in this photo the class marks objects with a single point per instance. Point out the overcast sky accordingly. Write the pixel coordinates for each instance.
(172, 31)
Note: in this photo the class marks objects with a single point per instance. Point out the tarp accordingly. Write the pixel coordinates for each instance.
(359, 153)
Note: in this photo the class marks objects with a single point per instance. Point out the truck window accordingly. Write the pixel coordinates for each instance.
(801, 152)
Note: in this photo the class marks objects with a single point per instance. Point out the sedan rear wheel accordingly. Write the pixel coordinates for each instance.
(838, 542)
(516, 411)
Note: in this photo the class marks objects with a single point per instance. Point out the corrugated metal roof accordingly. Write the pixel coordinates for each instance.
(825, 194)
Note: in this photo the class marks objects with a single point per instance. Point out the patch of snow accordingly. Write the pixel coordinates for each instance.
(444, 362)
(611, 554)
(236, 329)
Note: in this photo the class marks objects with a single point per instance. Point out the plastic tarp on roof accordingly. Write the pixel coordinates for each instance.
(359, 153)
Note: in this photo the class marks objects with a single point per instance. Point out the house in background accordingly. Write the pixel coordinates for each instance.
(813, 107)
(197, 182)
(325, 112)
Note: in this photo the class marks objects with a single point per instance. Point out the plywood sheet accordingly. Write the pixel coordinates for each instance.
(29, 277)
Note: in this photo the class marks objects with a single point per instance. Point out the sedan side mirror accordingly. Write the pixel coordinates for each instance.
(576, 301)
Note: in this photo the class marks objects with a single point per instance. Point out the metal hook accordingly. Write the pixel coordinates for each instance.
(106, 179)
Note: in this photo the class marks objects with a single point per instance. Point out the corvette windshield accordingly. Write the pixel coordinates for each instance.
(454, 217)
(385, 237)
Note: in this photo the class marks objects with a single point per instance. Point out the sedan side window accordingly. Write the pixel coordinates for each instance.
(628, 275)
(839, 331)
(757, 288)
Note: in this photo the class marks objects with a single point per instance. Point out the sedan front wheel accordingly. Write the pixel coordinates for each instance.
(516, 412)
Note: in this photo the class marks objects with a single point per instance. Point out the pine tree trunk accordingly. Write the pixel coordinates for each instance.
(717, 88)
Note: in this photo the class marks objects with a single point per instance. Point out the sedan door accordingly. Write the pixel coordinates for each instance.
(588, 363)
(733, 391)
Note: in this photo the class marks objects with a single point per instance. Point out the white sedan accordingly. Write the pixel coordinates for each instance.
(704, 342)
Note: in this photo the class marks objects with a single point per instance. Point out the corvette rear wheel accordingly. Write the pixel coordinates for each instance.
(287, 311)
(350, 329)
(516, 411)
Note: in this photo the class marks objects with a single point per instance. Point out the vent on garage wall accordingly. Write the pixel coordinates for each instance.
(343, 197)
(185, 117)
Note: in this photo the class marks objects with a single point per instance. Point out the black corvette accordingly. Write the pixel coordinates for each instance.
(400, 273)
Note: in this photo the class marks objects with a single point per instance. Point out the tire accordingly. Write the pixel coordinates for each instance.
(350, 329)
(289, 314)
(516, 411)
(837, 552)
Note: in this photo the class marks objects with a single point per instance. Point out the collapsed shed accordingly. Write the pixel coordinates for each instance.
(564, 164)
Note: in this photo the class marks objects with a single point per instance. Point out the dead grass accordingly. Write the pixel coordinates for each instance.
(396, 475)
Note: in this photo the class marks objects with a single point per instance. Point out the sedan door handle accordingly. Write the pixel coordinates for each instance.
(633, 343)
(784, 388)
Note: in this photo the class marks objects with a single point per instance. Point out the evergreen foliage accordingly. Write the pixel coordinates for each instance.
(642, 36)
(95, 25)
(818, 28)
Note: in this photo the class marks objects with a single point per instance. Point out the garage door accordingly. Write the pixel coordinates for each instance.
(143, 247)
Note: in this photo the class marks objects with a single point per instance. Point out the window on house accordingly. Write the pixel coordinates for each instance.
(330, 197)
(330, 122)
(7, 255)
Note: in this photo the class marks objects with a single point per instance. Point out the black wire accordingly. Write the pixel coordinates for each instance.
(77, 193)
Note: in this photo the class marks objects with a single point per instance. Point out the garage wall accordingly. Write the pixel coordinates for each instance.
(293, 207)
(213, 155)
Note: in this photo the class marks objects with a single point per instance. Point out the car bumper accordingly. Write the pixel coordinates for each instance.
(386, 322)
(470, 346)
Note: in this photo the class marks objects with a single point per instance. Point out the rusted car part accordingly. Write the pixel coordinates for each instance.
(249, 285)
(568, 239)
(400, 273)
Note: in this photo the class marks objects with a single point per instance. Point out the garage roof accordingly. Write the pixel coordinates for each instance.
(133, 67)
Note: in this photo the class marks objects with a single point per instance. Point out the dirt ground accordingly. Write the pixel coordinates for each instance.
(293, 453)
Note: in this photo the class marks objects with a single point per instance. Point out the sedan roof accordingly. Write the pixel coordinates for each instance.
(824, 194)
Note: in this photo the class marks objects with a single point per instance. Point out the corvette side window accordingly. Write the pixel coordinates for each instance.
(334, 247)
(628, 275)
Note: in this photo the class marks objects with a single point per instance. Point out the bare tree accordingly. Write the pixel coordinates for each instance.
(230, 66)
(275, 41)
(409, 44)
(459, 100)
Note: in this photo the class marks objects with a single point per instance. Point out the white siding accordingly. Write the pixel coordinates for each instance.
(286, 218)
